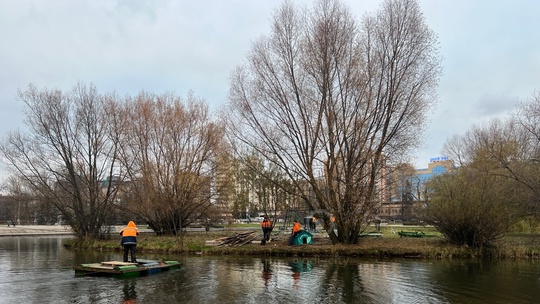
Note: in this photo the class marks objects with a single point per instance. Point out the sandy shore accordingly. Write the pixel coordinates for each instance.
(31, 230)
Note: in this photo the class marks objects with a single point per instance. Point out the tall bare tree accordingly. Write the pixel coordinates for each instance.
(23, 209)
(512, 146)
(527, 120)
(169, 154)
(261, 187)
(68, 155)
(329, 101)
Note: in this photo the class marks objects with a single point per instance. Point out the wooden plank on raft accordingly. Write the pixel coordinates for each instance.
(117, 263)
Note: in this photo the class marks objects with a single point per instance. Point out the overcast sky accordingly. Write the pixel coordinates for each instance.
(490, 50)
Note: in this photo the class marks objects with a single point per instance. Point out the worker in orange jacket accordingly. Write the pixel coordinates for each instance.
(129, 241)
(296, 228)
(266, 226)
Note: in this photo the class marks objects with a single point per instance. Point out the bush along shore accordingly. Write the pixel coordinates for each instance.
(514, 246)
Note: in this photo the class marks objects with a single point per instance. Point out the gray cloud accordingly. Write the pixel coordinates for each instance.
(490, 49)
(491, 105)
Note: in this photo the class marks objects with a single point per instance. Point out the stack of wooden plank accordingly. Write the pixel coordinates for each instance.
(238, 239)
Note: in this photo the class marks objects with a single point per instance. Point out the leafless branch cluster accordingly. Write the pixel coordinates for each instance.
(91, 156)
(168, 152)
(329, 101)
(508, 148)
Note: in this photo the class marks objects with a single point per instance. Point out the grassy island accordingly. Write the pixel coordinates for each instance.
(385, 243)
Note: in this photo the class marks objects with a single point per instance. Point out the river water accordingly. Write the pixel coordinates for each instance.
(39, 270)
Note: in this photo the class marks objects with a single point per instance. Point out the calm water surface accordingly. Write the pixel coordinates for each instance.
(39, 270)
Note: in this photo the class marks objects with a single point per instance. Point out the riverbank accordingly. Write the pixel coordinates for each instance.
(387, 246)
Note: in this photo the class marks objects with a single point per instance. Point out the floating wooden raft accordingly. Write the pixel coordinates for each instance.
(125, 269)
(238, 239)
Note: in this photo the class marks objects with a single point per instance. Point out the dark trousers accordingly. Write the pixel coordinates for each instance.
(266, 235)
(291, 240)
(130, 248)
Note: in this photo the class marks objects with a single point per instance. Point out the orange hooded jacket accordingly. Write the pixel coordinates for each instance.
(129, 234)
(266, 223)
(296, 227)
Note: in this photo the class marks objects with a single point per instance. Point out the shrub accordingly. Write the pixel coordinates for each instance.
(471, 207)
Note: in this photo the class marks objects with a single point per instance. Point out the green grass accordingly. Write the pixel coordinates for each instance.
(244, 225)
(391, 231)
(390, 245)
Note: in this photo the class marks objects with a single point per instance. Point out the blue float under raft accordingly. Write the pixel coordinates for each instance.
(125, 269)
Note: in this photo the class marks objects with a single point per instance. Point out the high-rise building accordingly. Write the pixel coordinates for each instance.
(408, 187)
(436, 166)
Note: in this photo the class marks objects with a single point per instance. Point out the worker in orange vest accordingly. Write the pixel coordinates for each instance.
(266, 226)
(129, 241)
(296, 228)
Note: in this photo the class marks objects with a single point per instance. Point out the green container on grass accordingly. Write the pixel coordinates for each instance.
(302, 238)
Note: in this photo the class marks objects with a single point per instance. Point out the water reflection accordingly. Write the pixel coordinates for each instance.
(39, 270)
(297, 267)
(343, 281)
(266, 272)
(130, 292)
(492, 277)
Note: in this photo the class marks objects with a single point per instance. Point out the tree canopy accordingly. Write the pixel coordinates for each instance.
(99, 159)
(329, 101)
(69, 152)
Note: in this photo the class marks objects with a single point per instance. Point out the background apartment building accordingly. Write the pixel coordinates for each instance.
(407, 188)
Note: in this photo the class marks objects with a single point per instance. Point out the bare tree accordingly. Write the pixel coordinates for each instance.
(262, 188)
(169, 154)
(512, 146)
(497, 182)
(23, 211)
(68, 156)
(330, 101)
(403, 186)
(224, 185)
(273, 191)
(527, 121)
